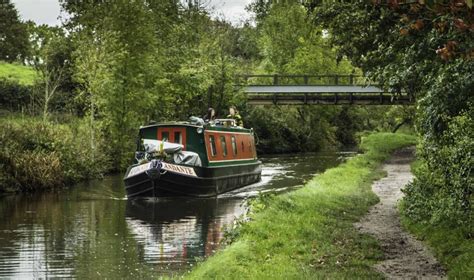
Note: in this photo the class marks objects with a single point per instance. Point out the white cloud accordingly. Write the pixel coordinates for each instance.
(39, 11)
(48, 11)
(232, 10)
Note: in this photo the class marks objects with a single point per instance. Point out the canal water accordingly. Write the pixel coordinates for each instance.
(92, 231)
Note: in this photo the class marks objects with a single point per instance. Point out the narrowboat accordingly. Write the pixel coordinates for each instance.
(192, 159)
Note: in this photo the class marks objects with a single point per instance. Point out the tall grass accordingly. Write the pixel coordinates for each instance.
(309, 233)
(36, 155)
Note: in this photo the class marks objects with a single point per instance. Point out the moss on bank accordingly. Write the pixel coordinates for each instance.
(309, 233)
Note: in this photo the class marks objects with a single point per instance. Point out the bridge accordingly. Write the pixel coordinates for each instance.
(317, 89)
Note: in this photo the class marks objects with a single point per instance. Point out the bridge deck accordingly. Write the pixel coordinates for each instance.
(334, 99)
(311, 89)
(335, 90)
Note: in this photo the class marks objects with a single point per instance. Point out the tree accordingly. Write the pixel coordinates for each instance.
(14, 43)
(425, 49)
(126, 105)
(49, 57)
(95, 60)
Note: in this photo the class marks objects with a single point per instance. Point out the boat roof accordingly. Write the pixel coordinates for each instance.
(183, 123)
(205, 126)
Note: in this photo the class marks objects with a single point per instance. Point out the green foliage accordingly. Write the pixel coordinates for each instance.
(121, 64)
(289, 43)
(50, 58)
(442, 192)
(292, 129)
(36, 156)
(14, 96)
(122, 40)
(14, 45)
(425, 50)
(309, 233)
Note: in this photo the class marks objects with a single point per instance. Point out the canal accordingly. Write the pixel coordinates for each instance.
(91, 230)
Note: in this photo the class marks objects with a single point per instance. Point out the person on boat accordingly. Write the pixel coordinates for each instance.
(234, 114)
(210, 116)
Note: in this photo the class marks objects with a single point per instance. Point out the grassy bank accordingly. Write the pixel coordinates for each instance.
(36, 155)
(21, 74)
(309, 233)
(452, 245)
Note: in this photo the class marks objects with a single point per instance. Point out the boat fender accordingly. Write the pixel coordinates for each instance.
(155, 169)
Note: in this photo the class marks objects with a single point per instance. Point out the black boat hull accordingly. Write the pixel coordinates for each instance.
(203, 182)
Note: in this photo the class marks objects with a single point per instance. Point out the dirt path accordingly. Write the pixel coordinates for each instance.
(405, 257)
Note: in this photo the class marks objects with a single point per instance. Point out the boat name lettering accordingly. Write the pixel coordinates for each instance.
(180, 169)
(138, 169)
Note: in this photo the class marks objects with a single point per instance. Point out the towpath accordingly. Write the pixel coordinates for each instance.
(404, 256)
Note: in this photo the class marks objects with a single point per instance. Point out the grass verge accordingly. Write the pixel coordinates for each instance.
(21, 74)
(452, 246)
(309, 233)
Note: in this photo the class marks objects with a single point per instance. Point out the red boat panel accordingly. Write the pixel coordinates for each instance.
(229, 146)
(173, 135)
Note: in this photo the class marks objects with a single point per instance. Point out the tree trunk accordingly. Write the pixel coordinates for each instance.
(92, 129)
(399, 125)
(46, 100)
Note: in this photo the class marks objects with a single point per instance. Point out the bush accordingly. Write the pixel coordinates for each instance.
(36, 156)
(292, 129)
(442, 192)
(14, 96)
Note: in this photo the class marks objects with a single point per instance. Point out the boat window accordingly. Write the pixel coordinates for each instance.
(243, 146)
(178, 138)
(165, 136)
(213, 145)
(224, 146)
(234, 145)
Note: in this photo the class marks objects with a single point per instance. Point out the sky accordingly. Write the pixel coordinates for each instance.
(48, 11)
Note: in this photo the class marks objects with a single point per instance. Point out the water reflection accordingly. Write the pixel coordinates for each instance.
(172, 233)
(91, 231)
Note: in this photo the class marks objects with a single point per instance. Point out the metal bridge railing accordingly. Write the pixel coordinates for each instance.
(303, 79)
